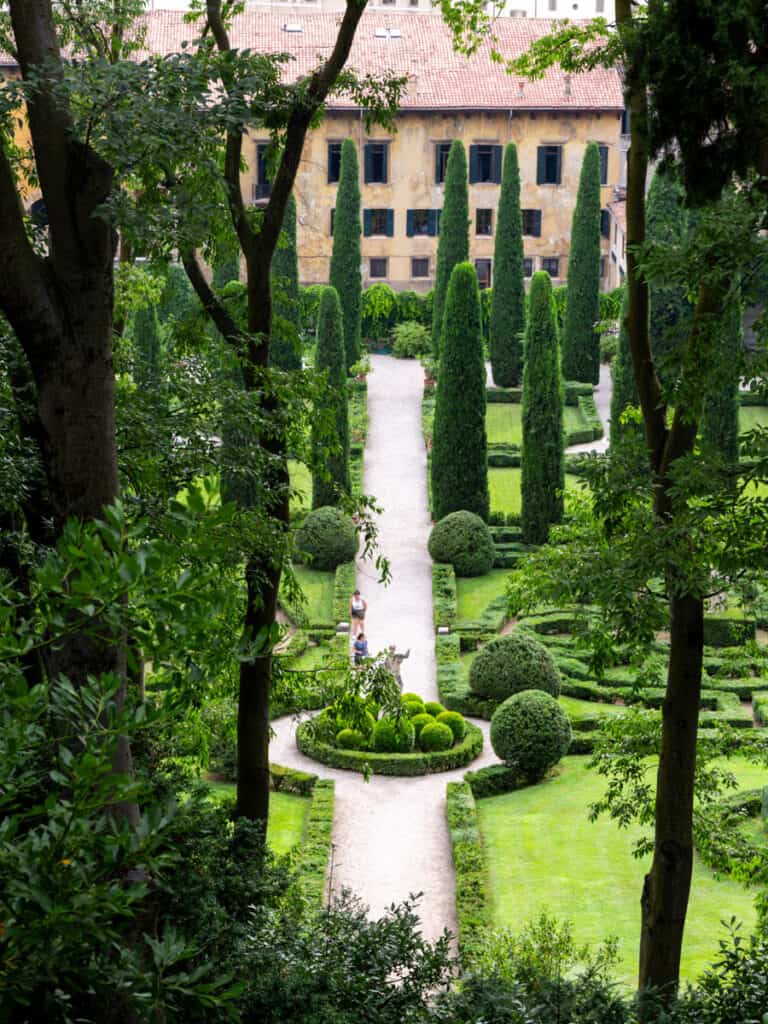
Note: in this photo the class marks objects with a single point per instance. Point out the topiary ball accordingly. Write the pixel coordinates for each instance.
(462, 540)
(419, 721)
(350, 739)
(435, 736)
(455, 723)
(509, 664)
(412, 696)
(531, 732)
(327, 538)
(393, 736)
(433, 708)
(414, 707)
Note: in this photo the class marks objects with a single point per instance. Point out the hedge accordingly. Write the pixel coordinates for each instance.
(315, 849)
(472, 909)
(415, 763)
(444, 609)
(760, 706)
(447, 648)
(491, 619)
(343, 587)
(722, 631)
(720, 843)
(456, 695)
(494, 780)
(291, 780)
(573, 390)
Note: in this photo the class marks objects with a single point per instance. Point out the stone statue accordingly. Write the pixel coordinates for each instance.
(393, 661)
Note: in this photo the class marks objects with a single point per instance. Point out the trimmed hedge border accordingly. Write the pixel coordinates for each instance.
(472, 911)
(720, 631)
(444, 608)
(343, 585)
(494, 780)
(315, 850)
(416, 763)
(574, 389)
(291, 780)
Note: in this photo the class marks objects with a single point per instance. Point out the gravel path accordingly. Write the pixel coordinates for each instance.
(390, 835)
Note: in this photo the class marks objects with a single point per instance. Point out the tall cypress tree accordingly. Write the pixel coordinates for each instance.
(667, 221)
(226, 270)
(581, 342)
(345, 258)
(459, 451)
(543, 473)
(720, 421)
(285, 351)
(453, 243)
(330, 356)
(623, 374)
(508, 296)
(145, 335)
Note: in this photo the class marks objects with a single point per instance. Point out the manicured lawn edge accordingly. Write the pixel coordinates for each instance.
(315, 850)
(472, 908)
(416, 763)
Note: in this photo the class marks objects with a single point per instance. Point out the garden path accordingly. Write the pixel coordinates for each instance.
(390, 835)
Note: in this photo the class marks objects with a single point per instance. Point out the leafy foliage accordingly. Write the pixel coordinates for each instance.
(624, 392)
(507, 324)
(453, 243)
(344, 274)
(720, 416)
(410, 340)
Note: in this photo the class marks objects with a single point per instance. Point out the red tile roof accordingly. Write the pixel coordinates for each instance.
(438, 77)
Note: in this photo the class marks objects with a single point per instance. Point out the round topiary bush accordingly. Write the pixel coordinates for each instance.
(435, 736)
(393, 736)
(412, 696)
(432, 707)
(414, 707)
(463, 540)
(327, 537)
(531, 732)
(509, 664)
(455, 723)
(350, 739)
(419, 721)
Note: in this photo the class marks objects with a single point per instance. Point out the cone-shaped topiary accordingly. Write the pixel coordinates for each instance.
(463, 540)
(624, 391)
(509, 664)
(285, 350)
(345, 258)
(459, 469)
(453, 243)
(330, 357)
(530, 732)
(328, 538)
(720, 422)
(581, 343)
(508, 296)
(543, 474)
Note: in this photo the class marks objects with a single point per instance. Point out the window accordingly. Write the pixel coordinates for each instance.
(484, 164)
(603, 150)
(334, 162)
(414, 3)
(420, 266)
(442, 149)
(484, 222)
(333, 214)
(605, 224)
(552, 265)
(379, 222)
(387, 1)
(548, 165)
(532, 223)
(528, 266)
(262, 187)
(625, 122)
(483, 268)
(376, 163)
(378, 267)
(553, 5)
(599, 6)
(602, 266)
(422, 222)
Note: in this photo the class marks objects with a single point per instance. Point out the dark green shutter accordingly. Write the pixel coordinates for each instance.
(559, 152)
(385, 176)
(474, 165)
(541, 165)
(536, 223)
(409, 223)
(367, 161)
(496, 168)
(432, 222)
(605, 224)
(366, 222)
(438, 215)
(390, 223)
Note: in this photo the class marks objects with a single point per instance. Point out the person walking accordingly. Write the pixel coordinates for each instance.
(357, 609)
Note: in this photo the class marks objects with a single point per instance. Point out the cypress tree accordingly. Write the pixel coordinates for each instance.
(178, 299)
(670, 310)
(330, 356)
(459, 458)
(345, 257)
(508, 295)
(453, 243)
(226, 270)
(720, 420)
(623, 375)
(581, 343)
(543, 474)
(145, 334)
(286, 310)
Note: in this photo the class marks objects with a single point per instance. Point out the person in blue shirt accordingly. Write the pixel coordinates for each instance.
(360, 648)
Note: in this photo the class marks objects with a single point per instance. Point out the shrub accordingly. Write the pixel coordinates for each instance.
(624, 391)
(414, 707)
(455, 723)
(412, 696)
(508, 300)
(379, 312)
(433, 708)
(531, 732)
(309, 299)
(459, 468)
(463, 540)
(393, 736)
(512, 663)
(453, 241)
(333, 401)
(350, 739)
(436, 736)
(419, 721)
(328, 537)
(415, 306)
(344, 273)
(410, 340)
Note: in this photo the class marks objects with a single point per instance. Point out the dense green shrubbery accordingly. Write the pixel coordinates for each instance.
(414, 706)
(507, 319)
(419, 721)
(328, 537)
(344, 271)
(512, 663)
(330, 359)
(531, 732)
(410, 340)
(393, 735)
(309, 299)
(350, 739)
(462, 540)
(455, 723)
(434, 708)
(379, 312)
(436, 736)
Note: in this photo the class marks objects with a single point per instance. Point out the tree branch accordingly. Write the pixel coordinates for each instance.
(224, 322)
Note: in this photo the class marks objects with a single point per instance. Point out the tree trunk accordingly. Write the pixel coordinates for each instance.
(667, 884)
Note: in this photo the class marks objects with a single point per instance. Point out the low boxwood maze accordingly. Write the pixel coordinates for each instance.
(471, 899)
(315, 850)
(443, 595)
(417, 762)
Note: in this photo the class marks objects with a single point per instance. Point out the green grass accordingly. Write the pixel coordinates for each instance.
(751, 416)
(473, 595)
(504, 423)
(576, 708)
(301, 483)
(504, 485)
(317, 587)
(287, 816)
(542, 851)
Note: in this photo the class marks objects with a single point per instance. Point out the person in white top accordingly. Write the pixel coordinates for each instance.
(357, 610)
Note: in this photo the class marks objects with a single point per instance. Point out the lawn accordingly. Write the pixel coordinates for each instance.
(751, 416)
(317, 587)
(504, 424)
(542, 851)
(504, 485)
(476, 593)
(301, 484)
(576, 709)
(287, 816)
